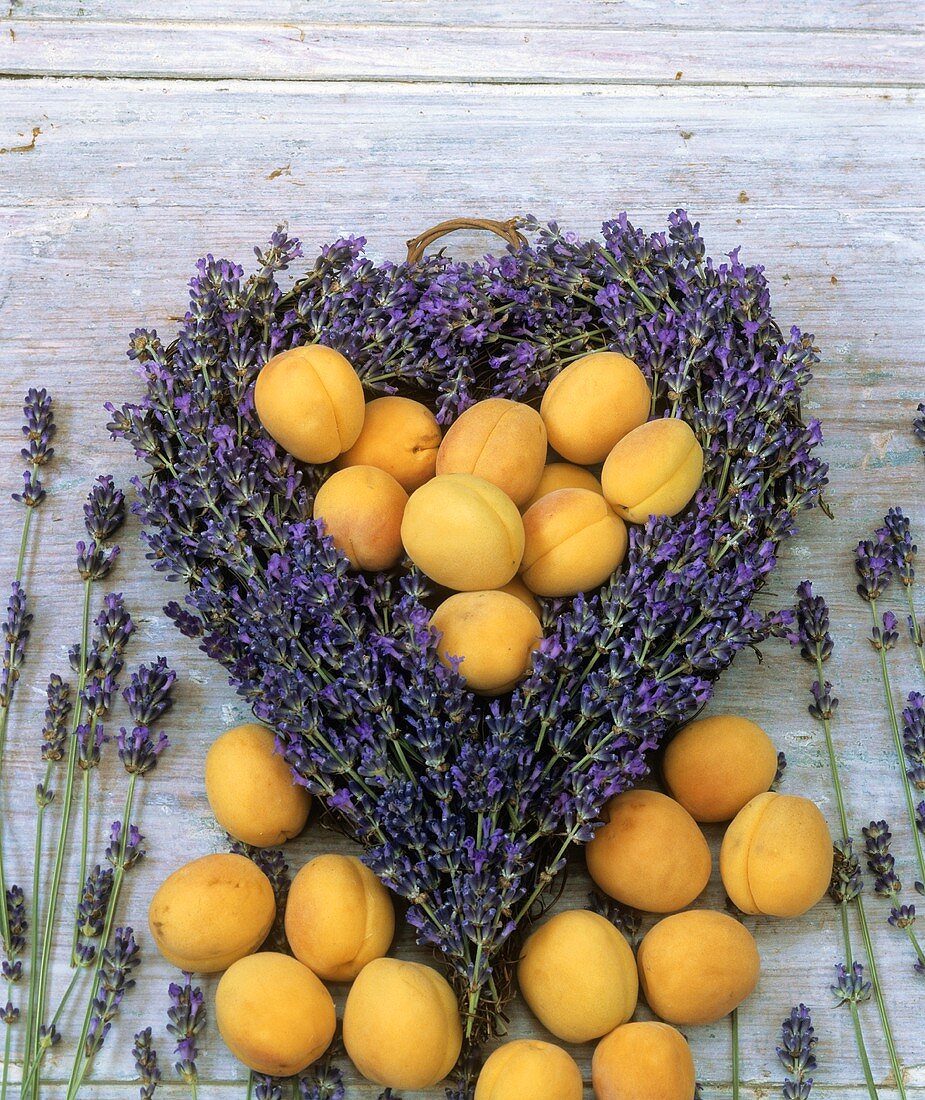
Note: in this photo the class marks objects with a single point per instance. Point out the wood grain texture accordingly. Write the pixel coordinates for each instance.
(129, 180)
(419, 52)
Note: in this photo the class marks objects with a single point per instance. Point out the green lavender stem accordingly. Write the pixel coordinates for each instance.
(81, 1063)
(40, 978)
(84, 842)
(862, 1050)
(34, 908)
(735, 1054)
(898, 743)
(43, 1049)
(917, 639)
(872, 970)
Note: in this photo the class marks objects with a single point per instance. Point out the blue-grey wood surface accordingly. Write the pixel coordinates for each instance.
(136, 136)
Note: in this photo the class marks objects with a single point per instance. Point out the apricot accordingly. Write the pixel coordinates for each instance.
(516, 587)
(463, 532)
(649, 853)
(339, 917)
(401, 1024)
(653, 471)
(310, 400)
(500, 440)
(643, 1061)
(697, 966)
(563, 475)
(527, 1069)
(715, 765)
(578, 976)
(250, 788)
(572, 542)
(274, 1014)
(776, 856)
(362, 508)
(211, 912)
(399, 436)
(493, 632)
(592, 404)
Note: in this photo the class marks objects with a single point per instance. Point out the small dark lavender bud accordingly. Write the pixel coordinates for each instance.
(144, 345)
(145, 1057)
(851, 985)
(119, 961)
(625, 920)
(133, 852)
(16, 919)
(887, 637)
(90, 741)
(149, 693)
(94, 901)
(95, 562)
(104, 512)
(139, 750)
(779, 774)
(38, 428)
(877, 840)
(324, 1082)
(16, 634)
(49, 1036)
(902, 916)
(913, 717)
(847, 881)
(824, 704)
(798, 1042)
(33, 492)
(268, 1088)
(812, 615)
(9, 1013)
(11, 971)
(918, 424)
(57, 712)
(873, 562)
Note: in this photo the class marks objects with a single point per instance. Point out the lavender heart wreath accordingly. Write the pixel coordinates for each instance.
(467, 808)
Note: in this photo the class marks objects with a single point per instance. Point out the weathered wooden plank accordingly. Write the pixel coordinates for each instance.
(611, 55)
(128, 182)
(731, 14)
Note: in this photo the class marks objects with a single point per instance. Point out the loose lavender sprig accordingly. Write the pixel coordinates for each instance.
(148, 696)
(898, 532)
(875, 562)
(796, 1053)
(187, 1018)
(38, 430)
(98, 663)
(813, 636)
(323, 1081)
(146, 1063)
(468, 812)
(882, 865)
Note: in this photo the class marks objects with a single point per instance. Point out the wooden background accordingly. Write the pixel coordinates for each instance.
(137, 135)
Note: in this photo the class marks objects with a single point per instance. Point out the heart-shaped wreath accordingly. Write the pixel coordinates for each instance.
(466, 808)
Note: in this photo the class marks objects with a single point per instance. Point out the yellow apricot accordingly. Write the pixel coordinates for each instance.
(401, 1024)
(362, 508)
(211, 912)
(463, 532)
(493, 632)
(572, 542)
(653, 471)
(310, 400)
(578, 976)
(592, 404)
(715, 765)
(516, 587)
(251, 790)
(563, 475)
(339, 917)
(697, 966)
(399, 436)
(643, 1061)
(500, 440)
(527, 1069)
(649, 853)
(274, 1014)
(776, 856)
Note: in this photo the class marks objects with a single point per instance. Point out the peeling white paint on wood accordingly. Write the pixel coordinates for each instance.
(130, 179)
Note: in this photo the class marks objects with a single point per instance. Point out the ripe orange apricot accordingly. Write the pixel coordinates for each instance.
(399, 436)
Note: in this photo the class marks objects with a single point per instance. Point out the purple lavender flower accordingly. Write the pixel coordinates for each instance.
(918, 424)
(914, 739)
(149, 694)
(119, 961)
(57, 712)
(885, 638)
(38, 430)
(851, 987)
(268, 1088)
(874, 563)
(187, 1018)
(15, 635)
(94, 901)
(798, 1041)
(847, 880)
(128, 852)
(104, 511)
(146, 1064)
(140, 750)
(877, 841)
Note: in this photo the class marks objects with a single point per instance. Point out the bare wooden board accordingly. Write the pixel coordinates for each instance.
(110, 189)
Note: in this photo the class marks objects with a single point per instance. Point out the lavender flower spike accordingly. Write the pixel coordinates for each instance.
(323, 1082)
(913, 718)
(187, 1016)
(104, 511)
(119, 960)
(146, 1064)
(798, 1041)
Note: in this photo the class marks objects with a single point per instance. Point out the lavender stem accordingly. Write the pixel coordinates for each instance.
(898, 743)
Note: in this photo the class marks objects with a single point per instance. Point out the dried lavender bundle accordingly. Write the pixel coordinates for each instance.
(467, 809)
(810, 631)
(876, 560)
